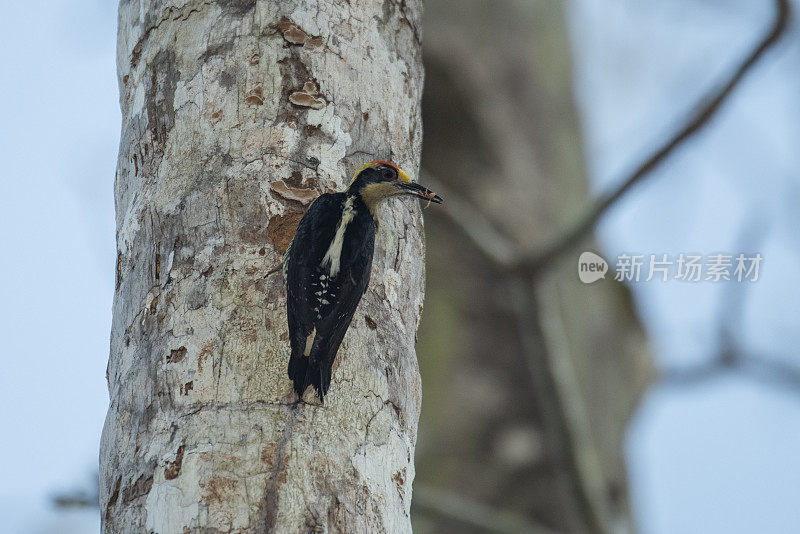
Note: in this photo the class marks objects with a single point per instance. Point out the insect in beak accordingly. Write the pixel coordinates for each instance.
(415, 190)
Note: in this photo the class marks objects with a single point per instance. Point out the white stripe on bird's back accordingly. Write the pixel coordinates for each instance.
(333, 256)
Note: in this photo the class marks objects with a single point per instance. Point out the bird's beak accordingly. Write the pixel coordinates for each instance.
(416, 190)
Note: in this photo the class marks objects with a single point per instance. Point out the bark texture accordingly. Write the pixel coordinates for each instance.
(236, 114)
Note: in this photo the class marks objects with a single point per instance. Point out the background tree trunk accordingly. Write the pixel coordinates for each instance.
(235, 115)
(537, 378)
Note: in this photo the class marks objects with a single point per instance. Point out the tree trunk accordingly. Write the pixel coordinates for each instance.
(541, 375)
(235, 115)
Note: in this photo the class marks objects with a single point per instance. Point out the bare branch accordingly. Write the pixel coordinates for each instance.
(503, 252)
(83, 497)
(497, 248)
(472, 513)
(730, 358)
(75, 500)
(767, 370)
(705, 111)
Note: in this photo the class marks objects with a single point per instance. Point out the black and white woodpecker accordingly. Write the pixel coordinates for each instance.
(327, 268)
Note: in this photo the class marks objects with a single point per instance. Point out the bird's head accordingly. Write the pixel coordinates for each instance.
(378, 180)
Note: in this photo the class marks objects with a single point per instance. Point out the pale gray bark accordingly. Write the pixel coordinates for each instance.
(235, 115)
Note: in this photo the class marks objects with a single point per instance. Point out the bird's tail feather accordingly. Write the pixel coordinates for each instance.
(298, 373)
(307, 371)
(321, 378)
(316, 372)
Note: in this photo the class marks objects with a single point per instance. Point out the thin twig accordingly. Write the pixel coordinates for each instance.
(705, 111)
(76, 500)
(458, 509)
(730, 358)
(768, 370)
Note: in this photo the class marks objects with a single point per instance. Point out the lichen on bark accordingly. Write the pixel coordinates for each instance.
(202, 433)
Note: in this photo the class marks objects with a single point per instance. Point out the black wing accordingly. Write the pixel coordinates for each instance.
(348, 287)
(319, 307)
(302, 260)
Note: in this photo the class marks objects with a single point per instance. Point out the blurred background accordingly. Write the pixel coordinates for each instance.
(549, 405)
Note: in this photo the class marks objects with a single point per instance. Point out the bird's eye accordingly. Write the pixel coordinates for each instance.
(388, 174)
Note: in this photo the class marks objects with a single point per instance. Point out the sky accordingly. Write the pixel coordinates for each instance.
(59, 137)
(718, 457)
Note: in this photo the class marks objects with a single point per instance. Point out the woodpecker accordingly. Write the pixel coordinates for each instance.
(327, 268)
